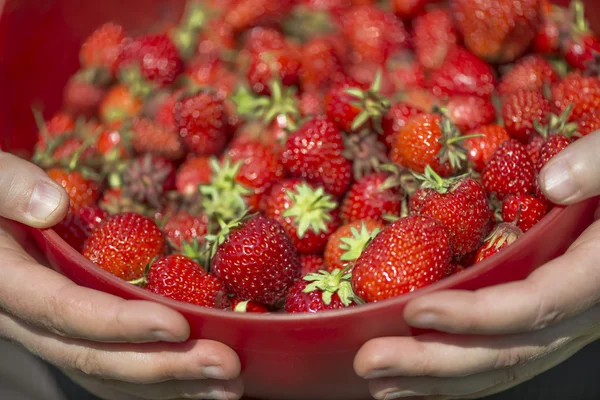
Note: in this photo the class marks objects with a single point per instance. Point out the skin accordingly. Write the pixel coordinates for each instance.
(117, 349)
(507, 334)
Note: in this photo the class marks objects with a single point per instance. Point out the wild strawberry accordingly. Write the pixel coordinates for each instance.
(82, 96)
(112, 145)
(588, 123)
(202, 123)
(180, 278)
(216, 37)
(532, 72)
(470, 112)
(526, 211)
(212, 72)
(580, 45)
(404, 73)
(151, 137)
(433, 36)
(308, 214)
(504, 235)
(244, 14)
(79, 225)
(124, 245)
(498, 31)
(509, 172)
(257, 261)
(82, 191)
(348, 242)
(395, 120)
(164, 111)
(311, 264)
(321, 291)
(482, 148)
(192, 173)
(248, 307)
(534, 147)
(316, 147)
(103, 47)
(268, 64)
(407, 9)
(522, 111)
(147, 178)
(462, 73)
(375, 196)
(320, 64)
(581, 91)
(119, 104)
(184, 229)
(411, 253)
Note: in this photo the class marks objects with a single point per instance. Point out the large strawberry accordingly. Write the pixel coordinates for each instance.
(509, 172)
(524, 210)
(522, 111)
(482, 148)
(348, 243)
(411, 253)
(257, 261)
(124, 245)
(498, 31)
(395, 119)
(433, 36)
(582, 92)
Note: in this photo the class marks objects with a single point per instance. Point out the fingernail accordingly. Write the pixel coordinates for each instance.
(377, 373)
(557, 181)
(164, 336)
(44, 201)
(214, 372)
(425, 320)
(401, 394)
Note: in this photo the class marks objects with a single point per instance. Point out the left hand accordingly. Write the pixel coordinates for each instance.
(507, 334)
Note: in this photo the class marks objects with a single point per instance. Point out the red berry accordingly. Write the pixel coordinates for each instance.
(79, 225)
(369, 198)
(529, 210)
(482, 148)
(529, 73)
(311, 264)
(433, 36)
(522, 110)
(509, 172)
(503, 236)
(348, 242)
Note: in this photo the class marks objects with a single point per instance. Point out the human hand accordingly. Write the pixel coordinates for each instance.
(506, 334)
(117, 349)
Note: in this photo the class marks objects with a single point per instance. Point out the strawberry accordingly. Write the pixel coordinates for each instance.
(320, 64)
(268, 64)
(311, 104)
(82, 96)
(348, 242)
(151, 137)
(212, 72)
(395, 120)
(321, 292)
(180, 278)
(248, 307)
(82, 191)
(53, 131)
(124, 245)
(522, 111)
(364, 74)
(375, 196)
(411, 253)
(103, 47)
(553, 145)
(184, 229)
(581, 91)
(311, 263)
(532, 72)
(524, 210)
(588, 123)
(534, 147)
(499, 31)
(407, 9)
(509, 172)
(244, 14)
(257, 261)
(433, 36)
(218, 36)
(482, 148)
(504, 235)
(316, 147)
(458, 203)
(580, 45)
(547, 38)
(308, 214)
(164, 110)
(112, 145)
(462, 73)
(202, 123)
(194, 172)
(79, 225)
(405, 73)
(470, 112)
(261, 38)
(147, 178)
(119, 104)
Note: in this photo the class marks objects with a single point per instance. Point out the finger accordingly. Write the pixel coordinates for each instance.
(560, 289)
(44, 298)
(133, 363)
(566, 178)
(28, 195)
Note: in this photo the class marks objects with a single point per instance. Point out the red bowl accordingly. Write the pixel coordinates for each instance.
(283, 356)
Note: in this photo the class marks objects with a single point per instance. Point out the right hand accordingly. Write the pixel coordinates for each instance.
(117, 349)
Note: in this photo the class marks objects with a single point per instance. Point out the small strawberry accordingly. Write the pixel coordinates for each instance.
(433, 36)
(193, 173)
(278, 63)
(103, 47)
(124, 245)
(320, 64)
(311, 264)
(375, 196)
(212, 72)
(184, 229)
(311, 104)
(509, 172)
(112, 145)
(532, 72)
(547, 38)
(308, 214)
(553, 145)
(119, 104)
(82, 96)
(180, 278)
(82, 191)
(411, 253)
(395, 120)
(482, 148)
(248, 307)
(407, 9)
(498, 31)
(470, 112)
(581, 91)
(525, 210)
(244, 14)
(257, 261)
(588, 123)
(79, 225)
(522, 111)
(151, 137)
(580, 45)
(534, 147)
(404, 73)
(504, 235)
(348, 242)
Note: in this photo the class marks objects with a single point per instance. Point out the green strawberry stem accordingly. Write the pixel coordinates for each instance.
(431, 180)
(225, 228)
(355, 245)
(372, 103)
(141, 282)
(452, 151)
(310, 208)
(330, 283)
(241, 307)
(558, 125)
(580, 23)
(135, 81)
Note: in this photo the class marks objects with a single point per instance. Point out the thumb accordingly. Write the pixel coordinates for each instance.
(574, 174)
(28, 195)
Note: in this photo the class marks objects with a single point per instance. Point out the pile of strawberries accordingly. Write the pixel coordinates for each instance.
(308, 155)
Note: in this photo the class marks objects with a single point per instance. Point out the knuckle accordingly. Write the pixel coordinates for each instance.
(85, 360)
(547, 314)
(508, 358)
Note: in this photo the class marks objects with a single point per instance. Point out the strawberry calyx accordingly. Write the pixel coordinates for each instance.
(357, 243)
(143, 181)
(329, 283)
(373, 105)
(504, 234)
(452, 150)
(580, 24)
(138, 85)
(196, 251)
(431, 180)
(121, 204)
(558, 125)
(185, 36)
(304, 23)
(225, 228)
(366, 151)
(310, 208)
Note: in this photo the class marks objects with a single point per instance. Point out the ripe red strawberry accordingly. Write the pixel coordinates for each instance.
(553, 145)
(257, 261)
(244, 14)
(321, 292)
(320, 64)
(349, 241)
(79, 225)
(184, 229)
(194, 172)
(580, 45)
(547, 39)
(311, 264)
(581, 91)
(316, 147)
(470, 112)
(404, 73)
(248, 307)
(462, 73)
(212, 71)
(527, 208)
(340, 105)
(154, 58)
(112, 145)
(407, 9)
(482, 148)
(433, 36)
(164, 110)
(202, 123)
(458, 203)
(82, 96)
(372, 197)
(53, 130)
(522, 111)
(217, 36)
(260, 38)
(532, 72)
(534, 147)
(103, 47)
(268, 64)
(503, 236)
(411, 253)
(308, 214)
(365, 72)
(588, 123)
(151, 137)
(119, 104)
(395, 120)
(498, 31)
(311, 104)
(124, 245)
(509, 172)
(372, 33)
(83, 192)
(180, 278)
